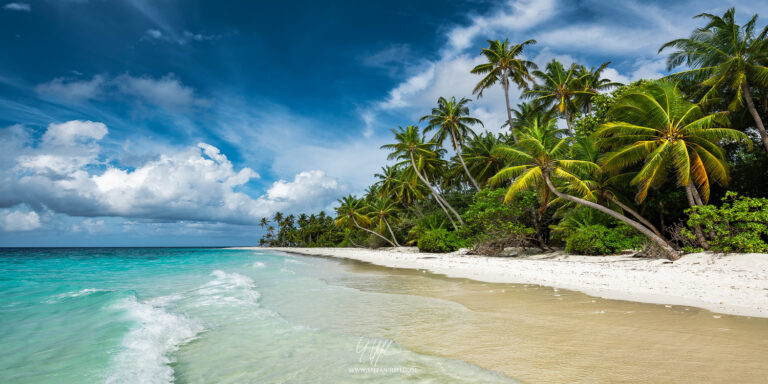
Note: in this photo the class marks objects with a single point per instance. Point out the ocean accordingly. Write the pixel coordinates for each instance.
(162, 315)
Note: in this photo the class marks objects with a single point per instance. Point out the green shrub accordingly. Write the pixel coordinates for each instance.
(492, 225)
(600, 240)
(740, 224)
(440, 240)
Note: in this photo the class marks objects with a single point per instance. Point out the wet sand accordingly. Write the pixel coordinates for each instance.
(541, 334)
(735, 284)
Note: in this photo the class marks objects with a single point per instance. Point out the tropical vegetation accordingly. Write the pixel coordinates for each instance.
(585, 163)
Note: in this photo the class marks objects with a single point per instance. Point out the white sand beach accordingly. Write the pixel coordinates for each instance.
(734, 284)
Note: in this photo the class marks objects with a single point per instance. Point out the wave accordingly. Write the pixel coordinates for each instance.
(259, 264)
(145, 356)
(227, 288)
(69, 295)
(147, 348)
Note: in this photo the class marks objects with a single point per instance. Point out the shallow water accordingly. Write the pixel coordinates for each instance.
(231, 316)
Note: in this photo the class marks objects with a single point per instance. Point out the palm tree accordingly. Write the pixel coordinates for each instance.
(557, 89)
(540, 159)
(543, 138)
(504, 64)
(658, 127)
(278, 218)
(397, 182)
(451, 118)
(602, 184)
(481, 160)
(591, 81)
(383, 211)
(351, 213)
(410, 145)
(725, 56)
(527, 112)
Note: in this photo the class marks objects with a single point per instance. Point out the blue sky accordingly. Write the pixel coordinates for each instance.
(164, 122)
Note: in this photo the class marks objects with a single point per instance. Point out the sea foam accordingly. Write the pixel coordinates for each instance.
(147, 348)
(145, 357)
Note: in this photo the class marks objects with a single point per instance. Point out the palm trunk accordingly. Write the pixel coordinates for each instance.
(509, 109)
(391, 232)
(353, 243)
(372, 232)
(444, 204)
(635, 214)
(438, 199)
(544, 204)
(457, 146)
(448, 206)
(668, 250)
(697, 229)
(755, 115)
(696, 196)
(568, 121)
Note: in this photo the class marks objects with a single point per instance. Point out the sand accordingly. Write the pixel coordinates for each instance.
(735, 284)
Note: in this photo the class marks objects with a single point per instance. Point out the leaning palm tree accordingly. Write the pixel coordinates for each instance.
(504, 64)
(383, 211)
(351, 214)
(451, 119)
(604, 184)
(410, 146)
(540, 160)
(657, 127)
(557, 88)
(725, 57)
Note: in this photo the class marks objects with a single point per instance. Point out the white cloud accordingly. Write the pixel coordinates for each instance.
(72, 90)
(516, 15)
(303, 193)
(184, 38)
(168, 91)
(599, 39)
(19, 7)
(63, 173)
(450, 74)
(63, 149)
(614, 75)
(68, 133)
(19, 218)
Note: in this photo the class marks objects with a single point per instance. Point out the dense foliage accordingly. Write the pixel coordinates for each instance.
(601, 240)
(585, 163)
(740, 224)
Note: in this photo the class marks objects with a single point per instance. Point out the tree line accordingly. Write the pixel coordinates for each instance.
(584, 162)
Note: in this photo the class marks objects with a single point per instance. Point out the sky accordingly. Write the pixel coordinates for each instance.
(183, 122)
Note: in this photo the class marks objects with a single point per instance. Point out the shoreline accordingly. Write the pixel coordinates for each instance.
(734, 284)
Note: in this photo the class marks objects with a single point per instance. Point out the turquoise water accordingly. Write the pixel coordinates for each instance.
(160, 315)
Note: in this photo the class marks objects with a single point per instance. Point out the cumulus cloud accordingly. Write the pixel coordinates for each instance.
(19, 7)
(63, 173)
(19, 218)
(303, 192)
